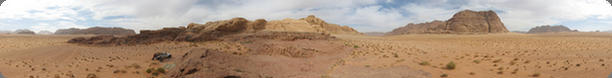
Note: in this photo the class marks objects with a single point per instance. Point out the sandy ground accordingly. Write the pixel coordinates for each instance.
(510, 55)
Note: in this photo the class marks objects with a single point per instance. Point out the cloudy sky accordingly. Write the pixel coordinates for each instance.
(363, 15)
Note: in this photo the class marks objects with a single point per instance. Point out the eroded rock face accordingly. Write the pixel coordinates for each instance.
(97, 31)
(466, 21)
(308, 24)
(193, 32)
(282, 30)
(548, 28)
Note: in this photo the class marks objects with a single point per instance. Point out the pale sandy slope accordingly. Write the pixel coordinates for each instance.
(585, 55)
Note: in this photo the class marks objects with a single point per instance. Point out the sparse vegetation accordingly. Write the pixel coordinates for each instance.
(497, 61)
(535, 75)
(444, 75)
(156, 72)
(451, 65)
(477, 61)
(355, 46)
(161, 70)
(424, 63)
(91, 75)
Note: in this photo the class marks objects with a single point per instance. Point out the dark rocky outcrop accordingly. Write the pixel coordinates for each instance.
(97, 31)
(466, 21)
(204, 32)
(548, 29)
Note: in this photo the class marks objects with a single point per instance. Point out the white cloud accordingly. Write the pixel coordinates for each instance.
(363, 15)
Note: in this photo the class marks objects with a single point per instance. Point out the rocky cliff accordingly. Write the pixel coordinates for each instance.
(466, 21)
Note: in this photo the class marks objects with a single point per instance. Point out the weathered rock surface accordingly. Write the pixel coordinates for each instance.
(308, 24)
(216, 30)
(466, 21)
(97, 31)
(548, 28)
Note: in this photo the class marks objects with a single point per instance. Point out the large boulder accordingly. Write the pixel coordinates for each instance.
(548, 28)
(308, 24)
(97, 31)
(463, 22)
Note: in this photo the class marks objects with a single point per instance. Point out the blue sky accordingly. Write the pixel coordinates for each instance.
(363, 15)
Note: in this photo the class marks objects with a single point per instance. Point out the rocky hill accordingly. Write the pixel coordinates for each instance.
(24, 31)
(44, 32)
(97, 31)
(306, 28)
(308, 24)
(466, 21)
(548, 28)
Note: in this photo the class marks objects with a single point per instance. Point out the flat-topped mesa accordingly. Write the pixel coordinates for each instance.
(466, 21)
(308, 24)
(549, 29)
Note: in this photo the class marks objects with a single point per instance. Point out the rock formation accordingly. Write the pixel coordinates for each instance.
(314, 28)
(308, 24)
(44, 32)
(548, 28)
(466, 21)
(24, 31)
(97, 31)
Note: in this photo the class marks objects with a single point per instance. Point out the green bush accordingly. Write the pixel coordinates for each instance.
(450, 65)
(149, 70)
(444, 75)
(161, 70)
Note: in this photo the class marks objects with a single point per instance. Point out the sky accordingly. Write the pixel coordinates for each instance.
(363, 15)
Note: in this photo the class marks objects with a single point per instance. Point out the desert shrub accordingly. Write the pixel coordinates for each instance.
(161, 70)
(355, 46)
(497, 61)
(535, 75)
(450, 65)
(91, 75)
(476, 61)
(150, 70)
(424, 63)
(444, 75)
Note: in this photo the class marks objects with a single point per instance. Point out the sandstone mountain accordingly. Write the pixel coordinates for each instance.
(97, 31)
(202, 32)
(466, 21)
(289, 29)
(548, 28)
(308, 24)
(44, 32)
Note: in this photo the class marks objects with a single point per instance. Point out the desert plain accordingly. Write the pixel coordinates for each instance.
(500, 55)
